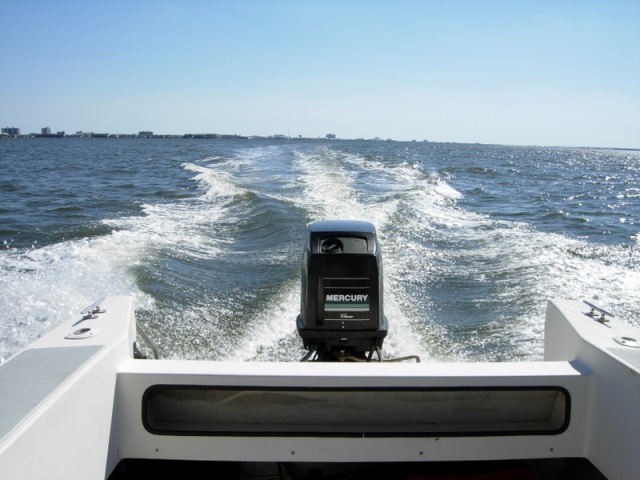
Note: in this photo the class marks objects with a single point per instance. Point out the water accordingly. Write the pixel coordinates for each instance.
(207, 236)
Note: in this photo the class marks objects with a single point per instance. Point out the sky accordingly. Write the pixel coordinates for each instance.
(518, 72)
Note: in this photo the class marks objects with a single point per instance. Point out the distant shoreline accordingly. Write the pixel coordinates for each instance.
(143, 134)
(206, 136)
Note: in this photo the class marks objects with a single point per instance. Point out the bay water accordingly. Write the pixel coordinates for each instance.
(207, 235)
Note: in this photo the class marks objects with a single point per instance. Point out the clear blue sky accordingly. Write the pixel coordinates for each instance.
(513, 72)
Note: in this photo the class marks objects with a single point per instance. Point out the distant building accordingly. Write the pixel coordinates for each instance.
(11, 131)
(145, 134)
(331, 136)
(46, 133)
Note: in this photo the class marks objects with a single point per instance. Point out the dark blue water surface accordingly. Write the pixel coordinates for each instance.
(207, 235)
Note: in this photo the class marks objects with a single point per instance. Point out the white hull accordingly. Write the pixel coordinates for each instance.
(78, 405)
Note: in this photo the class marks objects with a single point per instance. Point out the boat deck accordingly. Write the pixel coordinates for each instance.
(79, 401)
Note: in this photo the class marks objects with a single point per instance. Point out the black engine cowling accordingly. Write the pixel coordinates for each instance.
(341, 306)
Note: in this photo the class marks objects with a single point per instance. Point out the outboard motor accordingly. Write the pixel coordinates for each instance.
(341, 314)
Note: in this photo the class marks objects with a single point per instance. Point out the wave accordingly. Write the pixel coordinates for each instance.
(42, 287)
